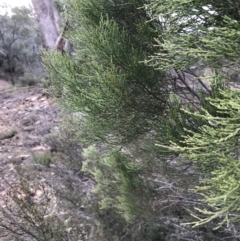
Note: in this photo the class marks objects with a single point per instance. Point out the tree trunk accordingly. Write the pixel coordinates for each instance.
(48, 19)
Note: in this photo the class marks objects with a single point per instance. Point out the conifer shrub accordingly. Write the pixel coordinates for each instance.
(135, 84)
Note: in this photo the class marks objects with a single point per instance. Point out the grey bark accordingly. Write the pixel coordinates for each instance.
(49, 21)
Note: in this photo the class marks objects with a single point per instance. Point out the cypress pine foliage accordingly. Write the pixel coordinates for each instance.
(206, 35)
(211, 13)
(215, 151)
(125, 184)
(123, 101)
(125, 200)
(199, 34)
(135, 77)
(107, 79)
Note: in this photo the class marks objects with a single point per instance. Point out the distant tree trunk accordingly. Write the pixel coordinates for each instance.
(48, 19)
(11, 70)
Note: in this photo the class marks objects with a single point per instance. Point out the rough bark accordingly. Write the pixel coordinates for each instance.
(48, 19)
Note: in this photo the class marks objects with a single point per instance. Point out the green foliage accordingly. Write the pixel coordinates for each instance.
(205, 35)
(215, 151)
(194, 13)
(125, 181)
(125, 198)
(122, 97)
(141, 74)
(43, 158)
(198, 33)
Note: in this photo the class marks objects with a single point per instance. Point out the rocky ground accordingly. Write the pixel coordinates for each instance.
(27, 116)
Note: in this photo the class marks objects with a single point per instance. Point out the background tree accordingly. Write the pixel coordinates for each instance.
(48, 18)
(19, 43)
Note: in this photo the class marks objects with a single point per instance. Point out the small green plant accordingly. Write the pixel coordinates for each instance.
(28, 79)
(42, 158)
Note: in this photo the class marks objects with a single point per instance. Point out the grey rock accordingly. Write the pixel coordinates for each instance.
(29, 120)
(7, 134)
(29, 128)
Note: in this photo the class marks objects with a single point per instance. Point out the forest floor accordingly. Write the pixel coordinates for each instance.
(27, 116)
